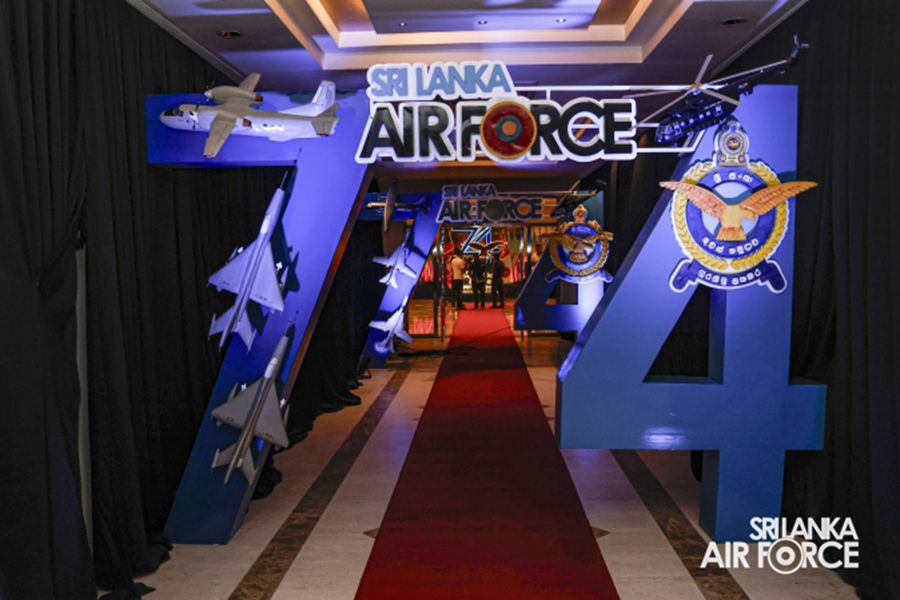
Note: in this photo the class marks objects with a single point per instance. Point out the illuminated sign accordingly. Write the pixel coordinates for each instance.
(489, 117)
(480, 203)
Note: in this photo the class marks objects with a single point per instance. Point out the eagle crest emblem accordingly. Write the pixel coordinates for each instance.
(729, 216)
(579, 250)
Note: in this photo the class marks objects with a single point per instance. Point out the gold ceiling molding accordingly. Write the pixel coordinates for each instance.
(339, 35)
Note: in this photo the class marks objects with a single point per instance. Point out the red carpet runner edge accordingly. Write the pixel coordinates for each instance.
(484, 507)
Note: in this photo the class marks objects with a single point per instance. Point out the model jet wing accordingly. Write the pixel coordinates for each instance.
(266, 290)
(229, 277)
(249, 83)
(242, 328)
(219, 130)
(223, 459)
(396, 262)
(407, 271)
(391, 277)
(269, 426)
(393, 326)
(401, 333)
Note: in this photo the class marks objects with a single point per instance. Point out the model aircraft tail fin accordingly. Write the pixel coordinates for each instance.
(323, 101)
(324, 98)
(219, 325)
(246, 331)
(247, 467)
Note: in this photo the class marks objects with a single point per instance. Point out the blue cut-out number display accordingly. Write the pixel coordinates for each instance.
(747, 412)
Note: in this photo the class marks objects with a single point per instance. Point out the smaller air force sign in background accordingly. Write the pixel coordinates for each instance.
(579, 249)
(729, 216)
(481, 203)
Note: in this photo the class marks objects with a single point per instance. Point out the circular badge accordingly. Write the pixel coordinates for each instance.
(729, 215)
(495, 209)
(508, 130)
(730, 243)
(579, 250)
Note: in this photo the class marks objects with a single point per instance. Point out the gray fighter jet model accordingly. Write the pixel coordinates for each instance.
(394, 327)
(396, 262)
(251, 275)
(256, 411)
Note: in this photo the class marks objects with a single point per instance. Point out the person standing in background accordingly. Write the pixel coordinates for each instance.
(479, 279)
(498, 270)
(458, 275)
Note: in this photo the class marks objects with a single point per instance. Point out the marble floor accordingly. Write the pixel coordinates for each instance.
(330, 557)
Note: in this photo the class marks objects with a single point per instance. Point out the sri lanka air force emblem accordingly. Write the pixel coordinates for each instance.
(579, 249)
(729, 216)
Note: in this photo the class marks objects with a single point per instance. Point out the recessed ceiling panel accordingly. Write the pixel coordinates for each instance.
(417, 16)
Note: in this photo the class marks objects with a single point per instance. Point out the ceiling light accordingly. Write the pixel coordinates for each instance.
(229, 33)
(482, 22)
(402, 24)
(734, 21)
(560, 20)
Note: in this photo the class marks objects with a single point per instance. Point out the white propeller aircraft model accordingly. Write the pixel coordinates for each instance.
(234, 110)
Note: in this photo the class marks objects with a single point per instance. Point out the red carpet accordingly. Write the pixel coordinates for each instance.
(484, 507)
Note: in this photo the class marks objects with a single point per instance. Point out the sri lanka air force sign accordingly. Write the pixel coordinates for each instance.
(411, 120)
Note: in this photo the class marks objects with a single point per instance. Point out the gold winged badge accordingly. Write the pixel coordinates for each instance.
(731, 215)
(579, 248)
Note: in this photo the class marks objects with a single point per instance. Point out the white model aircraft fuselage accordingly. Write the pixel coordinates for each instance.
(233, 111)
(277, 126)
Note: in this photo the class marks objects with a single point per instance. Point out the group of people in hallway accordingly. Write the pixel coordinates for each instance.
(477, 270)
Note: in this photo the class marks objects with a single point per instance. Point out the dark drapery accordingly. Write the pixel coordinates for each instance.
(846, 327)
(72, 79)
(153, 237)
(43, 545)
(340, 333)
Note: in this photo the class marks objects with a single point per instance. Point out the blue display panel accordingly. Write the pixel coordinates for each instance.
(417, 248)
(321, 204)
(178, 148)
(747, 412)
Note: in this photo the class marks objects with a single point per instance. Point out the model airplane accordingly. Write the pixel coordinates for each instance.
(390, 205)
(704, 105)
(396, 262)
(251, 275)
(256, 411)
(234, 110)
(394, 327)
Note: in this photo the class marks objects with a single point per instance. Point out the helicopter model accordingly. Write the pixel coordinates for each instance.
(704, 105)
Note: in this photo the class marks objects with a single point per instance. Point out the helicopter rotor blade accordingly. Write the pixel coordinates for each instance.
(703, 69)
(722, 80)
(663, 109)
(722, 97)
(656, 93)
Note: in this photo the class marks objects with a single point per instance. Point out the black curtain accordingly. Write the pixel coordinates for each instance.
(846, 322)
(153, 237)
(43, 543)
(72, 159)
(340, 333)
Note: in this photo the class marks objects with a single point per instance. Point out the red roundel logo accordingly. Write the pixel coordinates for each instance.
(508, 130)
